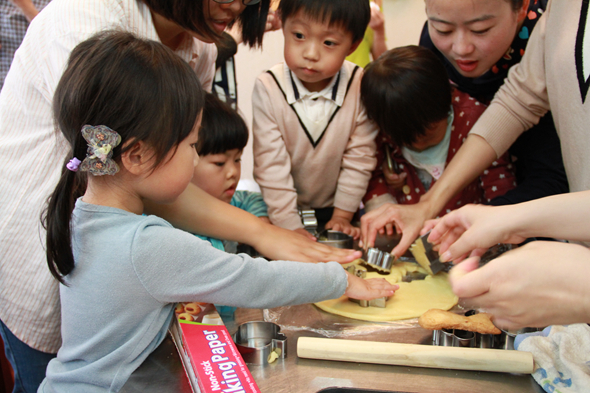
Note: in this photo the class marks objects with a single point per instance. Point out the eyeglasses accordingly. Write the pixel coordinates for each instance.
(245, 2)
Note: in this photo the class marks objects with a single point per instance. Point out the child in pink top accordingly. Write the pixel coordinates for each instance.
(313, 144)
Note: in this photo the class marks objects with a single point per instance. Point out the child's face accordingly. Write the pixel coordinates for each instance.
(218, 174)
(433, 136)
(172, 177)
(315, 51)
(473, 34)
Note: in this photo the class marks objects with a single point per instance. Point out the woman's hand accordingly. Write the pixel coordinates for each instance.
(359, 288)
(472, 229)
(407, 220)
(537, 285)
(279, 243)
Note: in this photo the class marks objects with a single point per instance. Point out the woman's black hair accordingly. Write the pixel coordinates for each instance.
(406, 91)
(352, 15)
(191, 15)
(222, 128)
(136, 87)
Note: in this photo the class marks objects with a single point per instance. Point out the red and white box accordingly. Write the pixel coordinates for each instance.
(209, 356)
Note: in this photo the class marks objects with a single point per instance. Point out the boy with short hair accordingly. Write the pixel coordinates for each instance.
(313, 143)
(423, 121)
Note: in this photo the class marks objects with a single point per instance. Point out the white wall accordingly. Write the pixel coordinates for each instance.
(403, 22)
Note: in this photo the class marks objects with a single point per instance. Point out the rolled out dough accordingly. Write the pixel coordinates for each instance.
(411, 300)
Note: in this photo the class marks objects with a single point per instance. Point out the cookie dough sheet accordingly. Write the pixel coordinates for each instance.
(410, 301)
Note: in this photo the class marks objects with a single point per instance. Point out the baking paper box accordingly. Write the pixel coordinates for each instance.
(209, 355)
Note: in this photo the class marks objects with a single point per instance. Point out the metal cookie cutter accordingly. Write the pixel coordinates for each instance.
(463, 338)
(453, 338)
(379, 302)
(309, 220)
(260, 343)
(379, 260)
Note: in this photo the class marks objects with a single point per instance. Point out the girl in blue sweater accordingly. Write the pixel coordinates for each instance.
(129, 110)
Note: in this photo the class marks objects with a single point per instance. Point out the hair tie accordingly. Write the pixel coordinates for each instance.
(73, 165)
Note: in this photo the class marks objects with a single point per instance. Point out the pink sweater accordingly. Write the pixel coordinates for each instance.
(551, 75)
(292, 172)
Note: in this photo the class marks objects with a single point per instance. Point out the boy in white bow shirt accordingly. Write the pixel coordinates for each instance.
(313, 143)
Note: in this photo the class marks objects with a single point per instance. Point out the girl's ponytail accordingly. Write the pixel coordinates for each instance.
(57, 221)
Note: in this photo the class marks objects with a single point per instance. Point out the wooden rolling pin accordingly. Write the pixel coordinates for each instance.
(477, 359)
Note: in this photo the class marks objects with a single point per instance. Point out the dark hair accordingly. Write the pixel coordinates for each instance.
(352, 15)
(190, 15)
(137, 87)
(405, 91)
(222, 128)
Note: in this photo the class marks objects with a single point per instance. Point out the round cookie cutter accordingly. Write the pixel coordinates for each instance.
(379, 260)
(335, 239)
(260, 343)
(463, 338)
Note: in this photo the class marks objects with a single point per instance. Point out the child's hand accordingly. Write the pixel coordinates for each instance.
(359, 288)
(273, 22)
(395, 180)
(377, 21)
(340, 221)
(342, 225)
(305, 233)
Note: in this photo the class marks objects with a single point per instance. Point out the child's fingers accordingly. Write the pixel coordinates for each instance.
(373, 288)
(379, 287)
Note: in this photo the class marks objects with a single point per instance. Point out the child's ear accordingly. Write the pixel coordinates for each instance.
(523, 11)
(137, 157)
(354, 46)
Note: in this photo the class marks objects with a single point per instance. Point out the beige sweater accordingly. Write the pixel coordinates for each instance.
(548, 78)
(292, 172)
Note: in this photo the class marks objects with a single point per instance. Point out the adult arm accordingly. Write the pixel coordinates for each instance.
(563, 216)
(198, 212)
(251, 202)
(27, 8)
(555, 290)
(517, 106)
